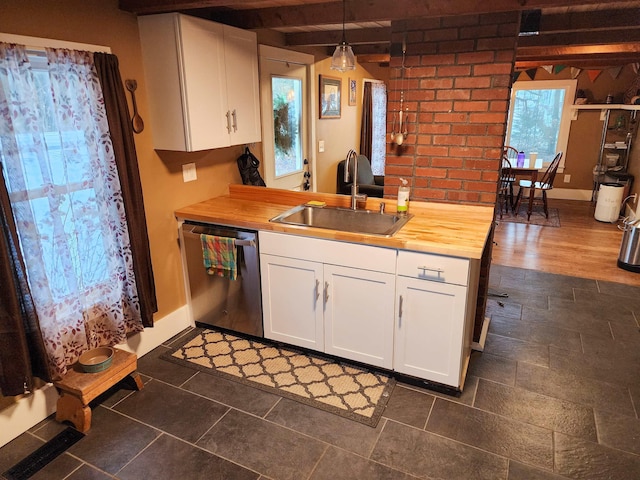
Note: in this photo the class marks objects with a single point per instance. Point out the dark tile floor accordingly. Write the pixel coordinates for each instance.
(555, 395)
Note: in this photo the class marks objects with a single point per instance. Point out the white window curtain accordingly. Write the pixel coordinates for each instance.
(379, 133)
(65, 194)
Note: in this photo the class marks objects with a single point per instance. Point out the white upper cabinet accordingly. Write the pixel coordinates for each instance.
(202, 82)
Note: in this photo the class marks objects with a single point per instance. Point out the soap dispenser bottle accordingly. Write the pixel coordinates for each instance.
(403, 197)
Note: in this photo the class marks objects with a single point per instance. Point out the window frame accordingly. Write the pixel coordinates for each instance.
(569, 86)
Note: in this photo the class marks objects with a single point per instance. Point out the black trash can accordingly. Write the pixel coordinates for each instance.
(629, 258)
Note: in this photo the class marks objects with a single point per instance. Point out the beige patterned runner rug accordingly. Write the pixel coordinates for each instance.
(335, 386)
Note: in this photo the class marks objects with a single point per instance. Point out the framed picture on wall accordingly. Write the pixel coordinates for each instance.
(330, 96)
(352, 91)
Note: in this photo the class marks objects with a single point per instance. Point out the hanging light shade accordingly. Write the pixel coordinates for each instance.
(343, 58)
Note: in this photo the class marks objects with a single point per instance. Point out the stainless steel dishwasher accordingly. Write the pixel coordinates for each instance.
(232, 304)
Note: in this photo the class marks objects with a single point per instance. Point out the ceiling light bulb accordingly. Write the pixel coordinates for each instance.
(343, 58)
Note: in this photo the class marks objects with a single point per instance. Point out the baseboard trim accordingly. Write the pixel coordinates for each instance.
(569, 194)
(31, 409)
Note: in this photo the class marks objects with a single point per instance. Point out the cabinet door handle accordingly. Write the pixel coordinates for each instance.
(228, 121)
(400, 312)
(317, 290)
(235, 120)
(326, 292)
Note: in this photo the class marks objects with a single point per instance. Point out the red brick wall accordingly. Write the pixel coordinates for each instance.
(456, 84)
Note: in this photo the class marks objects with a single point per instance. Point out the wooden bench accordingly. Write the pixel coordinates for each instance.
(77, 389)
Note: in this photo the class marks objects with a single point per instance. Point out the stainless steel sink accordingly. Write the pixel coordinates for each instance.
(343, 219)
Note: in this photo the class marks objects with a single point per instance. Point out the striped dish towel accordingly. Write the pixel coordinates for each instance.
(219, 256)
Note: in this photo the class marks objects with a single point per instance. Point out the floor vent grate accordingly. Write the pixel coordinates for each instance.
(43, 455)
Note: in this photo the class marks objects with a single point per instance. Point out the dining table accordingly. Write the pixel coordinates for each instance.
(530, 171)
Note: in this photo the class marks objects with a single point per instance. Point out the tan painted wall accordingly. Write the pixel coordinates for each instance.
(339, 134)
(583, 148)
(100, 22)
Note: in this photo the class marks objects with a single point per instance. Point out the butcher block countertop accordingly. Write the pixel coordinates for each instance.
(440, 228)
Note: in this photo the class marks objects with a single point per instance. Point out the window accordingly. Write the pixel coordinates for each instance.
(60, 172)
(287, 120)
(66, 186)
(539, 117)
(379, 126)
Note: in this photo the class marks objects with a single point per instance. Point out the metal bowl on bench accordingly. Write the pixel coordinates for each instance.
(96, 360)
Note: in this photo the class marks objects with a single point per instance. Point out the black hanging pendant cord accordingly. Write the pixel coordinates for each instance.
(344, 19)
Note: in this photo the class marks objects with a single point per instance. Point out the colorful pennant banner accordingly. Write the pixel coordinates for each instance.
(614, 71)
(593, 74)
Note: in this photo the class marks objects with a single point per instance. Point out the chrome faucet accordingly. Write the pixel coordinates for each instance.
(352, 156)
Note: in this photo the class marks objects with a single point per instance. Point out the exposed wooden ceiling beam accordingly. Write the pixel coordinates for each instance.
(580, 56)
(327, 13)
(354, 37)
(145, 7)
(589, 21)
(379, 58)
(599, 37)
(630, 49)
(383, 36)
(593, 63)
(526, 58)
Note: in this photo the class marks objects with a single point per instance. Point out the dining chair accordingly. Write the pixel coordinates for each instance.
(511, 153)
(543, 185)
(505, 186)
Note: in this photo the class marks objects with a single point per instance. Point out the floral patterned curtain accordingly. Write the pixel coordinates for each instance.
(66, 199)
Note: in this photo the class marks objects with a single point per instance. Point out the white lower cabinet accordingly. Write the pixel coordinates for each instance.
(429, 330)
(431, 317)
(321, 304)
(407, 311)
(358, 307)
(292, 301)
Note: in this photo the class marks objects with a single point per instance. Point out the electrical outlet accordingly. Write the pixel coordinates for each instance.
(567, 178)
(321, 146)
(189, 172)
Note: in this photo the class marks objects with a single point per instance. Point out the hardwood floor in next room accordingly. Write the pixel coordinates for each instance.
(581, 247)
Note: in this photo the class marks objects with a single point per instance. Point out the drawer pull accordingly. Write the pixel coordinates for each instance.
(326, 292)
(317, 290)
(424, 269)
(400, 312)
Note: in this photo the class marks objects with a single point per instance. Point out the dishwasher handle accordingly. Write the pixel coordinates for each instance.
(195, 230)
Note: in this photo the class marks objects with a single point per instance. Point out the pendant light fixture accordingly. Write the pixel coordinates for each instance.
(343, 58)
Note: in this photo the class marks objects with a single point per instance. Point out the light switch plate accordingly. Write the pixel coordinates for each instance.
(189, 172)
(567, 178)
(321, 146)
